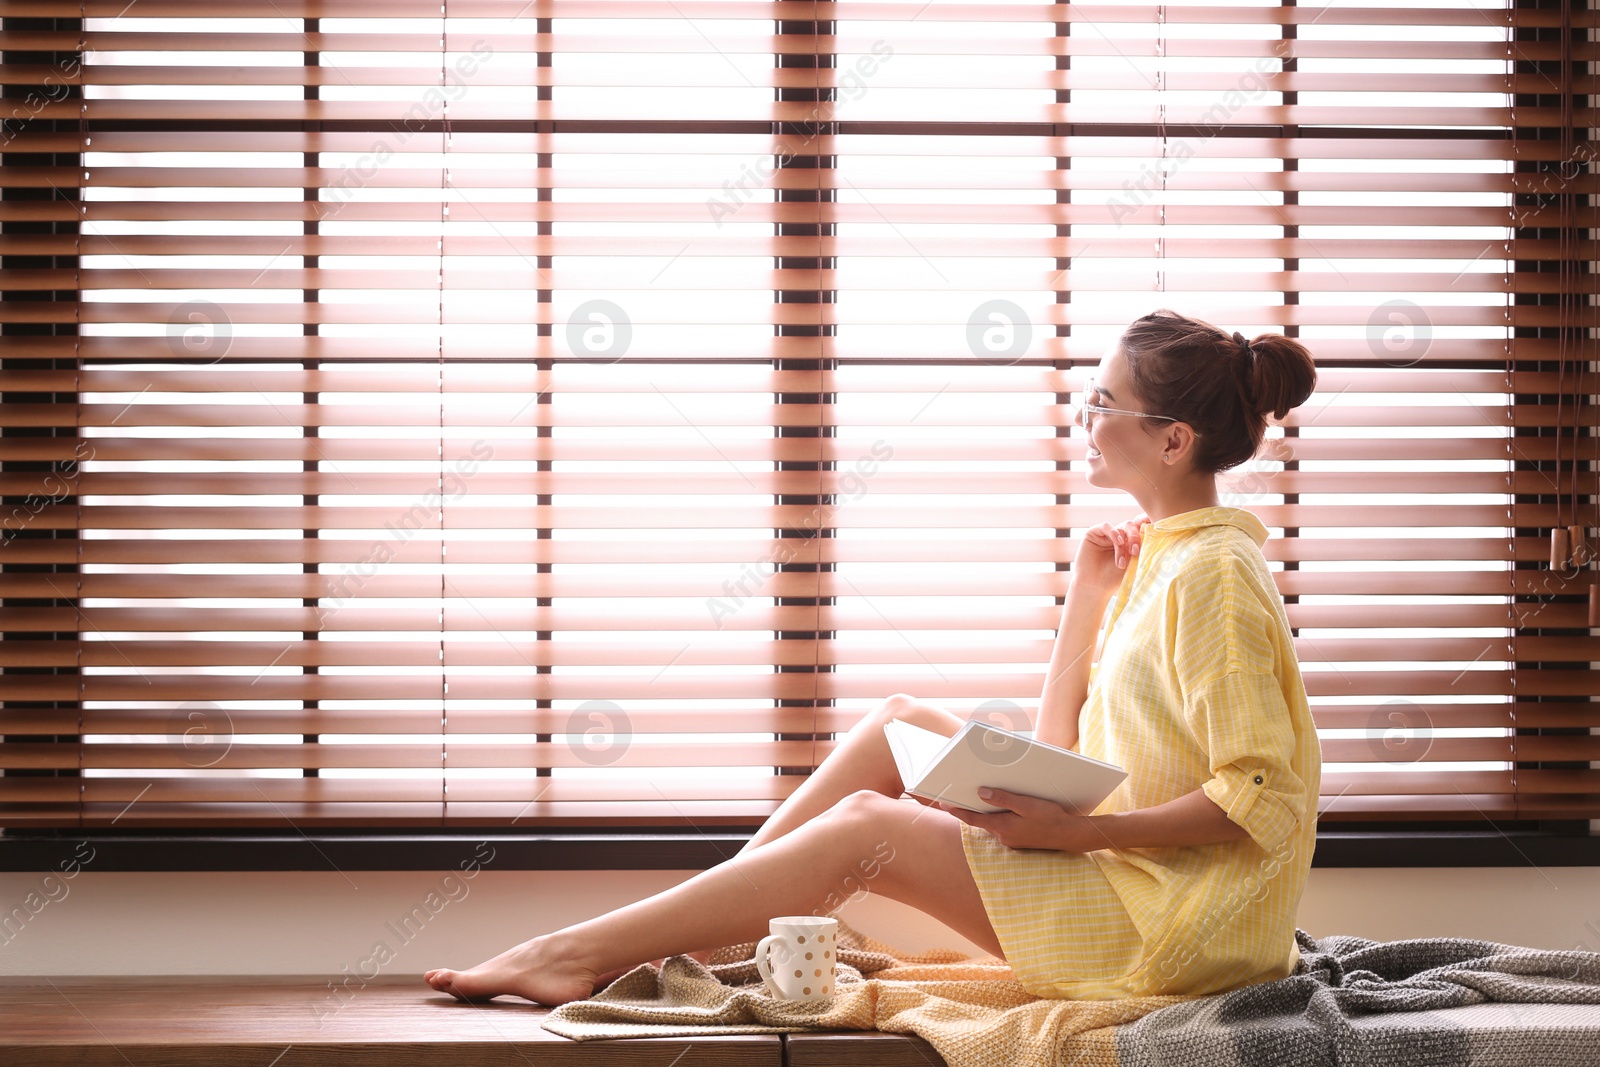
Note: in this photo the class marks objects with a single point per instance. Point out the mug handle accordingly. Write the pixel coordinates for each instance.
(764, 968)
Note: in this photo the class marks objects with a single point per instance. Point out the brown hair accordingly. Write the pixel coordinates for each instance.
(1222, 385)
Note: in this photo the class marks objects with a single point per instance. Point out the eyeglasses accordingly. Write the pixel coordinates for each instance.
(1091, 410)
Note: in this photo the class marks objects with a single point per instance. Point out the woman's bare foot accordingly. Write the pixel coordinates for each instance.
(451, 984)
(533, 970)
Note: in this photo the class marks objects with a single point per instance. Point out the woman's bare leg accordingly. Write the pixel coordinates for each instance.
(861, 761)
(898, 848)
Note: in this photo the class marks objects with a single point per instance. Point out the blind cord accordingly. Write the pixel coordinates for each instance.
(444, 215)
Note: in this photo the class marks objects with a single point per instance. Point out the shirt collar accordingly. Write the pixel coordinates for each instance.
(1217, 516)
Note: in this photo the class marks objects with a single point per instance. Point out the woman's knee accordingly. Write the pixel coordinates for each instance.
(860, 815)
(867, 818)
(861, 806)
(897, 848)
(917, 712)
(861, 831)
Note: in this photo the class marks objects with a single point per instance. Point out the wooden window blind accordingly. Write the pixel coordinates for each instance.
(499, 413)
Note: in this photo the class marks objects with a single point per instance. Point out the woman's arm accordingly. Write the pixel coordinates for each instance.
(1066, 680)
(1103, 555)
(1029, 822)
(1192, 819)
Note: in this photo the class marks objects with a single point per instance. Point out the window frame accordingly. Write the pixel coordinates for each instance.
(585, 849)
(1549, 842)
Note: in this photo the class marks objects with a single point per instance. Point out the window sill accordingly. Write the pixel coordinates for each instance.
(662, 850)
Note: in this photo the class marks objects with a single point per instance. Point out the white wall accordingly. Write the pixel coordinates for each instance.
(314, 923)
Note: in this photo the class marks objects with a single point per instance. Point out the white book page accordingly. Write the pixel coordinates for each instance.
(951, 769)
(914, 749)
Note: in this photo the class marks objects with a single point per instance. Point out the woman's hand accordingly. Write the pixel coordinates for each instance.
(1105, 552)
(1030, 822)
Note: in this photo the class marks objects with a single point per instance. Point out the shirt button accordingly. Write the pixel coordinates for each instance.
(1258, 779)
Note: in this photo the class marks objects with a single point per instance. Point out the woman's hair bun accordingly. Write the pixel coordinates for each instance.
(1219, 383)
(1283, 374)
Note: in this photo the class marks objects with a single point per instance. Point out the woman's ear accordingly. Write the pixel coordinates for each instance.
(1177, 443)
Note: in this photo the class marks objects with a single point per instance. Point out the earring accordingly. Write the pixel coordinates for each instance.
(1166, 457)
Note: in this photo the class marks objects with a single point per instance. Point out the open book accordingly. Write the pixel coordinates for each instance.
(951, 769)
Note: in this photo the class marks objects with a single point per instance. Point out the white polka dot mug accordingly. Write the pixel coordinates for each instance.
(803, 950)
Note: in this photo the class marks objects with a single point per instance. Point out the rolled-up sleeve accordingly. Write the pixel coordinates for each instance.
(1248, 733)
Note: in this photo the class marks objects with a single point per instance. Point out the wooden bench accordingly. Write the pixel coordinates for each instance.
(398, 1022)
(388, 1022)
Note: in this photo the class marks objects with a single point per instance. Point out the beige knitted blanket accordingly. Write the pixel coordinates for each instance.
(1351, 1001)
(973, 1012)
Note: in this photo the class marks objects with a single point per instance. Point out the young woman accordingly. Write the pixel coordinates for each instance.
(1187, 878)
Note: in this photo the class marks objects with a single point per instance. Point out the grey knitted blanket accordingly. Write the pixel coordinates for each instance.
(1360, 1003)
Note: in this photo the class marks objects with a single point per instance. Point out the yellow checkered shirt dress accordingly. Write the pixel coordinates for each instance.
(1195, 685)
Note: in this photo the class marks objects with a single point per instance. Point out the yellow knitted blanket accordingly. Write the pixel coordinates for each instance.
(973, 1011)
